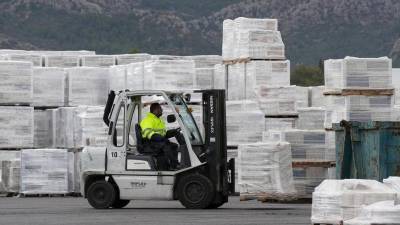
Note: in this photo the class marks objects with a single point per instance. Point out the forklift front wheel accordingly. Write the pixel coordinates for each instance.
(119, 203)
(195, 191)
(101, 194)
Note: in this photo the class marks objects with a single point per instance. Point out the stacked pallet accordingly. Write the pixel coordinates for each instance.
(336, 201)
(45, 171)
(16, 123)
(168, 74)
(9, 171)
(385, 212)
(97, 60)
(358, 89)
(204, 70)
(256, 77)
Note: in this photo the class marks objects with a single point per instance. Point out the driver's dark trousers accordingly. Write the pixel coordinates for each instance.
(170, 151)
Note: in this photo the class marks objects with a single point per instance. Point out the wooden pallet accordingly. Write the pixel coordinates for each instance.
(15, 104)
(8, 194)
(361, 91)
(274, 198)
(21, 195)
(294, 115)
(46, 107)
(246, 60)
(313, 163)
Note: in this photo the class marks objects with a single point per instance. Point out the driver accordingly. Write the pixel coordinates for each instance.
(155, 133)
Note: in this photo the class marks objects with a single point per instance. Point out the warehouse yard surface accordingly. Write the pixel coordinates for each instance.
(44, 211)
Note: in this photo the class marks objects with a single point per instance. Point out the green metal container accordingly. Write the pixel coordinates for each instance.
(367, 150)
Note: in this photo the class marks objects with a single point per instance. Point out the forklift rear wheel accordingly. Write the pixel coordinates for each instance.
(195, 191)
(119, 204)
(101, 194)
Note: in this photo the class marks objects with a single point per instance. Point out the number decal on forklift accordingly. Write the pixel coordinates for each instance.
(114, 154)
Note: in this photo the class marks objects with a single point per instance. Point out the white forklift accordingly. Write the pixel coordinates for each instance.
(124, 171)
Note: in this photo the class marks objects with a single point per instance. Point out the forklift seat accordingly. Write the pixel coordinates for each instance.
(139, 139)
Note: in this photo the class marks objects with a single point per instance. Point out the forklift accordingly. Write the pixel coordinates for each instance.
(113, 175)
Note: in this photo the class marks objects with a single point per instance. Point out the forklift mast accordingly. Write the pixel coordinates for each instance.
(215, 144)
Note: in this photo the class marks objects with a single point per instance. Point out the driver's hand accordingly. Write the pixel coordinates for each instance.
(173, 132)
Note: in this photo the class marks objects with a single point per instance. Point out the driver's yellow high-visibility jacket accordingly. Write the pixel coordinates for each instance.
(151, 125)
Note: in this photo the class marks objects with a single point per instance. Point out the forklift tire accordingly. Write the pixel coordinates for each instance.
(119, 204)
(195, 191)
(214, 205)
(101, 194)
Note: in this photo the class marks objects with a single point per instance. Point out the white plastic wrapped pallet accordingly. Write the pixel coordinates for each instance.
(258, 39)
(130, 76)
(228, 39)
(282, 100)
(62, 53)
(244, 23)
(135, 76)
(316, 94)
(10, 174)
(394, 183)
(352, 72)
(357, 108)
(97, 60)
(203, 78)
(269, 73)
(169, 74)
(205, 61)
(8, 155)
(35, 59)
(65, 132)
(385, 212)
(71, 172)
(396, 84)
(77, 171)
(274, 107)
(280, 123)
(245, 122)
(90, 130)
(12, 51)
(16, 127)
(63, 61)
(307, 144)
(236, 80)
(330, 147)
(49, 85)
(265, 168)
(220, 77)
(4, 57)
(44, 171)
(16, 82)
(306, 179)
(132, 58)
(285, 93)
(311, 118)
(87, 86)
(44, 125)
(259, 44)
(117, 78)
(335, 201)
(240, 29)
(168, 57)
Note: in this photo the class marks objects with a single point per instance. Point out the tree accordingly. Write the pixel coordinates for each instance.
(304, 75)
(134, 51)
